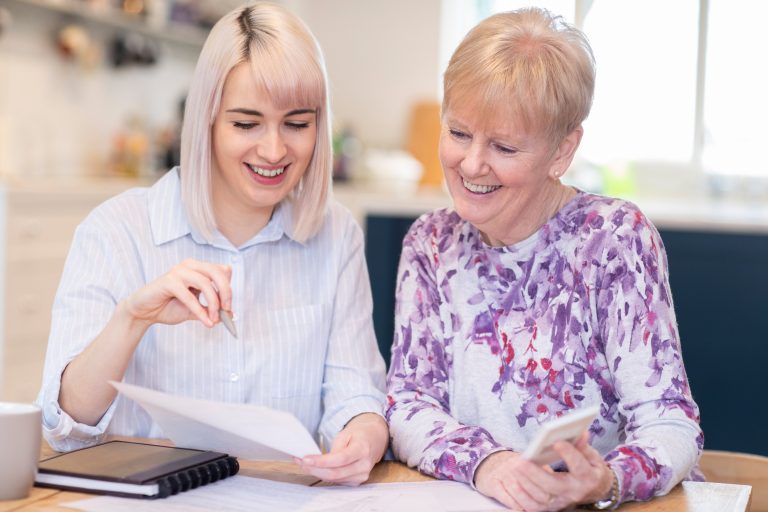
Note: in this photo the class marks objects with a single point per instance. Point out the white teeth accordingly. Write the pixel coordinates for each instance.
(266, 172)
(479, 189)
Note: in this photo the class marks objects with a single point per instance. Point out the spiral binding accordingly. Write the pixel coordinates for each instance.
(195, 477)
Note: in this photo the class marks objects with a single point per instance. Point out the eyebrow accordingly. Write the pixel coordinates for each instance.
(251, 112)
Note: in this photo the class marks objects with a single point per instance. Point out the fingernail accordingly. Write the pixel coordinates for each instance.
(308, 461)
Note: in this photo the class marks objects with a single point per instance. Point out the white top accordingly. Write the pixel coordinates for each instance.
(302, 310)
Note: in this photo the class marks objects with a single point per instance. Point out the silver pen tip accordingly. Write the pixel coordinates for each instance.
(226, 319)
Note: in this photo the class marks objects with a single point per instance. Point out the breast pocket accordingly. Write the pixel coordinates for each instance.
(296, 345)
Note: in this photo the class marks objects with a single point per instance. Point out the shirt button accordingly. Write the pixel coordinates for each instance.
(234, 377)
(235, 258)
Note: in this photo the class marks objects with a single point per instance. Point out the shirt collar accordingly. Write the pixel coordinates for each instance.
(168, 217)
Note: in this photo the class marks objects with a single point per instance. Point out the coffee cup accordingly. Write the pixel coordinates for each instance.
(20, 433)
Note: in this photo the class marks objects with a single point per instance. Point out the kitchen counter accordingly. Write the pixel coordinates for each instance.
(697, 214)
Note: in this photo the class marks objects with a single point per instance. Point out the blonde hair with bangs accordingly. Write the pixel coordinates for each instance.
(286, 61)
(529, 64)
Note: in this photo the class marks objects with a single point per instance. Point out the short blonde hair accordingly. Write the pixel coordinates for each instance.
(287, 62)
(528, 64)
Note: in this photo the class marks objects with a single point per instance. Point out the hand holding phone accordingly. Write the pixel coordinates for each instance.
(565, 428)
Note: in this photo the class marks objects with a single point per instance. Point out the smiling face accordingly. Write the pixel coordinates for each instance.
(503, 179)
(260, 153)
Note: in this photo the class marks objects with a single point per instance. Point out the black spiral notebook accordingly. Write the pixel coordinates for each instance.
(136, 470)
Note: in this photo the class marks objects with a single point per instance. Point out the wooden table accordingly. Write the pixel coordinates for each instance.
(686, 497)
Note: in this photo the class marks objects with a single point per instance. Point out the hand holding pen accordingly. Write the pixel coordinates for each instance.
(172, 298)
(177, 295)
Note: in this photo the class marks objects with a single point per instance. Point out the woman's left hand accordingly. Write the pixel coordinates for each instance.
(354, 451)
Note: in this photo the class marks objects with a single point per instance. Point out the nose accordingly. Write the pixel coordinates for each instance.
(473, 164)
(271, 147)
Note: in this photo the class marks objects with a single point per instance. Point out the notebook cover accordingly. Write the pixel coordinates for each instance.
(174, 469)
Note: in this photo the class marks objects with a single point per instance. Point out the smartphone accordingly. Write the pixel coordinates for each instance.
(567, 427)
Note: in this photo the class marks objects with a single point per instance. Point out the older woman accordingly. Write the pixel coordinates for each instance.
(529, 298)
(245, 224)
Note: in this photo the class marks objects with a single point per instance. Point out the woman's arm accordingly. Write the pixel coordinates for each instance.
(353, 382)
(94, 333)
(171, 299)
(639, 332)
(424, 434)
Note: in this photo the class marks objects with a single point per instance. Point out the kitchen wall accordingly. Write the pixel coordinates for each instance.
(59, 117)
(381, 57)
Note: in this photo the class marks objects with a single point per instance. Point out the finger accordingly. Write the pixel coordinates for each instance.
(518, 497)
(334, 459)
(351, 474)
(536, 488)
(499, 492)
(343, 452)
(530, 493)
(575, 460)
(593, 456)
(194, 279)
(544, 476)
(219, 275)
(182, 293)
(224, 283)
(539, 487)
(582, 441)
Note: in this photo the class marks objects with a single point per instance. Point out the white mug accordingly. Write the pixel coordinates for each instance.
(20, 433)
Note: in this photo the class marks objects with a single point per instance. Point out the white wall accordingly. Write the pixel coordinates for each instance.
(382, 56)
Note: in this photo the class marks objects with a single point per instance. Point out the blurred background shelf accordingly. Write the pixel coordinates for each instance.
(172, 32)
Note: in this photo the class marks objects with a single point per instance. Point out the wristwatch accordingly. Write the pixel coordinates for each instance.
(613, 498)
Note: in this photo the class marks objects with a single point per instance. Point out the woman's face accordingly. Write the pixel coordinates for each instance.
(497, 174)
(260, 152)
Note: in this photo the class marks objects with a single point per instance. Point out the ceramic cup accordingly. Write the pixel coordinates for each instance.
(20, 433)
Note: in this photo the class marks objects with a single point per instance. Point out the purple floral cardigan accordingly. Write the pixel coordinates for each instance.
(491, 342)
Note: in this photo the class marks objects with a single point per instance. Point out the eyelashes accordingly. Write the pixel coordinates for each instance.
(295, 126)
(464, 137)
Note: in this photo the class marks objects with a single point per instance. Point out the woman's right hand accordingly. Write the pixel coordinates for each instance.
(170, 299)
(520, 484)
(175, 296)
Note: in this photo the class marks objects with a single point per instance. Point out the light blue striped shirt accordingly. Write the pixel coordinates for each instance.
(302, 311)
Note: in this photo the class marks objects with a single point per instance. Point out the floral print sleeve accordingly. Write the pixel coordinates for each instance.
(639, 334)
(492, 342)
(424, 433)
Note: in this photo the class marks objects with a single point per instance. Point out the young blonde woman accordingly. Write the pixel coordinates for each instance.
(244, 227)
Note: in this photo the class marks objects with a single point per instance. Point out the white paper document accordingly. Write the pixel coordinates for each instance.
(246, 431)
(244, 494)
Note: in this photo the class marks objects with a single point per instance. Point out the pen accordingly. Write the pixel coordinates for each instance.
(226, 319)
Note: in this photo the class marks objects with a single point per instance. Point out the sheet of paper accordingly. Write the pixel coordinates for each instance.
(241, 494)
(243, 430)
(437, 495)
(235, 494)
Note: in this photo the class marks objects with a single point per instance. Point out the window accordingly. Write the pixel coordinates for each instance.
(679, 84)
(735, 108)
